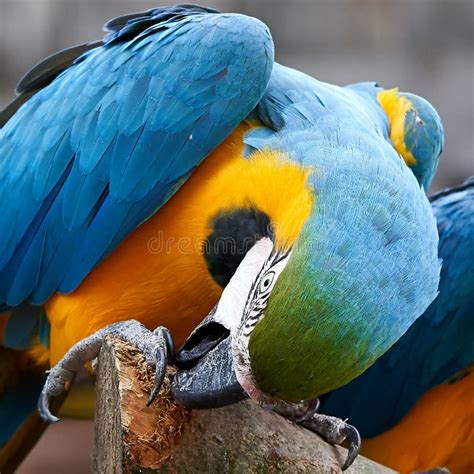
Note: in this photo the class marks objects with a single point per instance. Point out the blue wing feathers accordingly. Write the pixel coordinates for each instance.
(21, 326)
(100, 149)
(18, 268)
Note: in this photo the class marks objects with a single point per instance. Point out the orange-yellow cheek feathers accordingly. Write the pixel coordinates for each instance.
(269, 182)
(158, 275)
(396, 107)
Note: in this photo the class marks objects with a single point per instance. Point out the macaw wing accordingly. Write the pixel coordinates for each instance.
(42, 74)
(437, 346)
(96, 152)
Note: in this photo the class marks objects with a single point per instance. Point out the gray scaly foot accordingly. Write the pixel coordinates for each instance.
(334, 430)
(156, 346)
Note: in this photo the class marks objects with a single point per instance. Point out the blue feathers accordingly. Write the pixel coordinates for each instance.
(114, 133)
(370, 221)
(105, 144)
(22, 325)
(127, 27)
(437, 345)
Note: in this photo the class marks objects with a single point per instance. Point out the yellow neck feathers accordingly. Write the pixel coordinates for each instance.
(270, 182)
(396, 108)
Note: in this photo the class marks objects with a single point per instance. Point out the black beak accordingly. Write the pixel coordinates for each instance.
(206, 376)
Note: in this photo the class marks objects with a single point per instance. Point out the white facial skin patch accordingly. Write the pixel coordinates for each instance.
(230, 308)
(244, 301)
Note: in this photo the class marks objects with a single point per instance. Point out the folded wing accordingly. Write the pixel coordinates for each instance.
(101, 148)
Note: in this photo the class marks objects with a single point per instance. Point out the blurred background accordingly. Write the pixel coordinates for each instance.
(422, 46)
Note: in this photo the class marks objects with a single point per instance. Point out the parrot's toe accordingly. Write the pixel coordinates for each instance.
(312, 407)
(156, 346)
(56, 382)
(296, 412)
(335, 431)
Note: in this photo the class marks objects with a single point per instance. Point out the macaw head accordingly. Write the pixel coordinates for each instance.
(416, 132)
(326, 288)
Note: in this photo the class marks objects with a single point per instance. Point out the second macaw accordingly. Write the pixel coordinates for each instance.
(415, 405)
(129, 166)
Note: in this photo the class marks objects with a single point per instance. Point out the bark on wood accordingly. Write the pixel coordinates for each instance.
(167, 438)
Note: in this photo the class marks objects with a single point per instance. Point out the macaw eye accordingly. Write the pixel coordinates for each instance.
(266, 282)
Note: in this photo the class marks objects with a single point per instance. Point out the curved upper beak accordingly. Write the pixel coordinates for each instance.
(206, 376)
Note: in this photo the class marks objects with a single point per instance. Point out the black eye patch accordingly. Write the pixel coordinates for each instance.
(234, 233)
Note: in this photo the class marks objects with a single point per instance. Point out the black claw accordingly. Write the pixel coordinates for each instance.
(169, 344)
(313, 407)
(161, 360)
(44, 411)
(353, 438)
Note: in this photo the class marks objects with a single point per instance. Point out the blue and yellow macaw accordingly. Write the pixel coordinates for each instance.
(129, 165)
(415, 404)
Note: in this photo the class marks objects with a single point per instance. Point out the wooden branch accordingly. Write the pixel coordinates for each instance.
(167, 438)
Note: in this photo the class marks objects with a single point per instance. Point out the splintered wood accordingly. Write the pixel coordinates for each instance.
(166, 438)
(141, 436)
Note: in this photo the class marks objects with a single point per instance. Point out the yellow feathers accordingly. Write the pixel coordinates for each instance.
(38, 353)
(396, 108)
(269, 182)
(158, 275)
